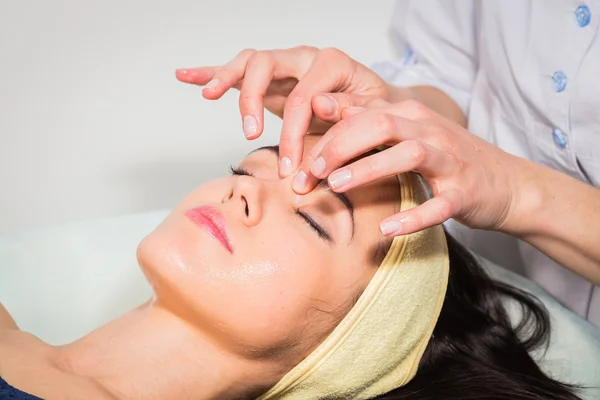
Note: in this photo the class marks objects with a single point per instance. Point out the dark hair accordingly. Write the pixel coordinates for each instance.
(475, 352)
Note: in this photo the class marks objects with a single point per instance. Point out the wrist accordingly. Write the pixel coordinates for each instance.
(528, 195)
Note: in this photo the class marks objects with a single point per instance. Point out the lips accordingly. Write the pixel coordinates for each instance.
(211, 219)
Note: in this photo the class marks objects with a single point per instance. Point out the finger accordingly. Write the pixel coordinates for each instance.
(228, 76)
(359, 135)
(196, 76)
(356, 135)
(433, 212)
(331, 69)
(305, 180)
(262, 68)
(275, 102)
(331, 107)
(258, 77)
(294, 62)
(410, 155)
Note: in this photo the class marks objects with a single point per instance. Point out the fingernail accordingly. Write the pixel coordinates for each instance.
(285, 167)
(340, 178)
(327, 105)
(390, 227)
(299, 181)
(250, 126)
(182, 71)
(211, 84)
(318, 167)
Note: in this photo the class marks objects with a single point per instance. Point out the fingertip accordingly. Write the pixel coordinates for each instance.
(318, 168)
(251, 127)
(183, 75)
(325, 106)
(300, 182)
(339, 179)
(285, 167)
(254, 137)
(287, 150)
(390, 227)
(213, 90)
(210, 94)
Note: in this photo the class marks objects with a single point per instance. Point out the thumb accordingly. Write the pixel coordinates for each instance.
(329, 107)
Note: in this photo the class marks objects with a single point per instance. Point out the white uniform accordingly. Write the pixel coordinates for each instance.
(527, 75)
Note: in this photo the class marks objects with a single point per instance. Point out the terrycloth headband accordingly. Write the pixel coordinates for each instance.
(378, 345)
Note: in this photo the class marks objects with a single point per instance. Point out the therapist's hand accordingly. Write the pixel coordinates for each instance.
(289, 83)
(472, 180)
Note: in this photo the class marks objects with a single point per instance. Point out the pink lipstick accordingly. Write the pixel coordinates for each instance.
(213, 221)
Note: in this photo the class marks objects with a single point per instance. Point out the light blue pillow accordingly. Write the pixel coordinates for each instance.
(61, 282)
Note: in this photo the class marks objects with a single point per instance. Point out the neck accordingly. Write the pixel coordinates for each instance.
(150, 353)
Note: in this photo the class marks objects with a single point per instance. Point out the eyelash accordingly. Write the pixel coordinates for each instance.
(237, 171)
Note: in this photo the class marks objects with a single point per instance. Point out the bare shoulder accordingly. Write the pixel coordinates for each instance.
(18, 351)
(29, 364)
(6, 320)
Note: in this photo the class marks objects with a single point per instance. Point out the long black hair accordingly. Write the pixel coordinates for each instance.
(475, 352)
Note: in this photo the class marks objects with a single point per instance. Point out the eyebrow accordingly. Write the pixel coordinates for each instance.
(342, 197)
(272, 149)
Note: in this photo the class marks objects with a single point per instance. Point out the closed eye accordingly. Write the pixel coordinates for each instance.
(316, 227)
(239, 171)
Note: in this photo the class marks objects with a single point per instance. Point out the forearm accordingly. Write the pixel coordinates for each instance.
(431, 97)
(559, 215)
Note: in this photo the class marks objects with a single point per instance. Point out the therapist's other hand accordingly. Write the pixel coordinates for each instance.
(472, 180)
(287, 83)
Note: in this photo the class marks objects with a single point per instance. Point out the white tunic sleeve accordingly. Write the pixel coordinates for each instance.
(437, 45)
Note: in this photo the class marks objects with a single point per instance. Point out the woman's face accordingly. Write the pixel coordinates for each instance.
(260, 269)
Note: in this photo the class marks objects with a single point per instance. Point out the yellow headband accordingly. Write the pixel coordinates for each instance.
(378, 345)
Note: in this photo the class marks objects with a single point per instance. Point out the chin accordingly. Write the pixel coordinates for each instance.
(175, 258)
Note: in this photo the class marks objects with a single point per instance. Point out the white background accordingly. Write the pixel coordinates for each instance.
(93, 122)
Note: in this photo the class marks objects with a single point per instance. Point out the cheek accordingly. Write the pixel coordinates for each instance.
(263, 300)
(257, 299)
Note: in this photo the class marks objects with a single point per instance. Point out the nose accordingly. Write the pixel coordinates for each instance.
(247, 198)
